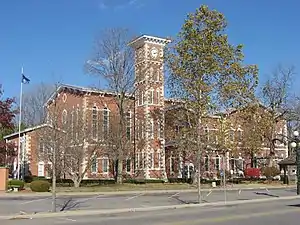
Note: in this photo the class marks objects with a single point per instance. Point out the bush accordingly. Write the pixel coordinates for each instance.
(40, 186)
(270, 172)
(16, 183)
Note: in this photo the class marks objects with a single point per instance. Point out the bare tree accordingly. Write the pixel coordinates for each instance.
(33, 103)
(113, 61)
(276, 95)
(51, 141)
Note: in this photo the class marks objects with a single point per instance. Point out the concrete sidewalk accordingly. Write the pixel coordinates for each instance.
(149, 192)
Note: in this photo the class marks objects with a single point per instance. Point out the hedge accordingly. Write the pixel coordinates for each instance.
(40, 186)
(16, 183)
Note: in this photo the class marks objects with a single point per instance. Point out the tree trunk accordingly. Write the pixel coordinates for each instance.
(76, 181)
(54, 182)
(120, 172)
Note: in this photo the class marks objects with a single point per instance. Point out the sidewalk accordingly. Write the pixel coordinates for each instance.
(149, 191)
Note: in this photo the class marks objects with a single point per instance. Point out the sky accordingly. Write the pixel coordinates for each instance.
(52, 39)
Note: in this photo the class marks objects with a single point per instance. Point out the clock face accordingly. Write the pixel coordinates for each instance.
(154, 53)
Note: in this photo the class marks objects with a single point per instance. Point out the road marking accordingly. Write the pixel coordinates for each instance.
(135, 196)
(176, 194)
(210, 191)
(36, 200)
(240, 191)
(232, 217)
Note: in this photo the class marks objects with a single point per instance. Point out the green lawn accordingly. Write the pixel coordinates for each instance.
(127, 187)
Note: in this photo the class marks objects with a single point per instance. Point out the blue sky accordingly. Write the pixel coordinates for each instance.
(53, 39)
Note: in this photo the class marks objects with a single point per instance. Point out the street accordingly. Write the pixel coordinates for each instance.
(32, 205)
(268, 213)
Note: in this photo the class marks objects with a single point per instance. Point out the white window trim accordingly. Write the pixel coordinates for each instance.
(151, 130)
(171, 158)
(102, 163)
(130, 124)
(97, 166)
(64, 116)
(208, 162)
(158, 130)
(157, 96)
(130, 165)
(215, 164)
(151, 156)
(151, 96)
(105, 109)
(97, 125)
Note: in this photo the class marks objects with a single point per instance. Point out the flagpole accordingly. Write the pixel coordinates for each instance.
(20, 121)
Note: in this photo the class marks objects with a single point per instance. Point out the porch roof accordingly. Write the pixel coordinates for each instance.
(289, 161)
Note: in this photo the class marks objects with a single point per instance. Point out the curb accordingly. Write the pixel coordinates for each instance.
(145, 192)
(148, 209)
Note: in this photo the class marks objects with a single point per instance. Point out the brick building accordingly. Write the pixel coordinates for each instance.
(151, 120)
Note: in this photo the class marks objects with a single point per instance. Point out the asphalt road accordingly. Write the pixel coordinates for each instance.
(15, 206)
(268, 213)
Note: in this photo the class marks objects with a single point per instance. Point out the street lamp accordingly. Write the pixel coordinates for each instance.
(296, 145)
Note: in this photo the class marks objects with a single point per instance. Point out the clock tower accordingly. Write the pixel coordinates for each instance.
(149, 106)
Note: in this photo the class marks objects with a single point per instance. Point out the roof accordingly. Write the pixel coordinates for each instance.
(289, 161)
(80, 89)
(26, 130)
(150, 39)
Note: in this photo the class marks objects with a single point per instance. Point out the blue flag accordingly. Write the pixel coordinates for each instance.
(25, 80)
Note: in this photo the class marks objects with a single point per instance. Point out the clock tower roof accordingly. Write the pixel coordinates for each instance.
(148, 39)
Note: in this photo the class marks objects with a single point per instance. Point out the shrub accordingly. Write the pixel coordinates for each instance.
(270, 172)
(40, 186)
(16, 183)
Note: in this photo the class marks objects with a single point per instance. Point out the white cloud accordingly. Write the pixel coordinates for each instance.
(120, 4)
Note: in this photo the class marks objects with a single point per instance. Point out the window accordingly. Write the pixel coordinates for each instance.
(94, 165)
(72, 125)
(157, 75)
(172, 164)
(206, 163)
(128, 125)
(151, 100)
(157, 97)
(151, 128)
(158, 129)
(231, 135)
(217, 163)
(105, 122)
(140, 98)
(94, 122)
(144, 100)
(77, 123)
(206, 134)
(105, 165)
(151, 160)
(64, 116)
(240, 135)
(128, 165)
(158, 159)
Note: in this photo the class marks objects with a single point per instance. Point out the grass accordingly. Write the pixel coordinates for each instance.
(127, 187)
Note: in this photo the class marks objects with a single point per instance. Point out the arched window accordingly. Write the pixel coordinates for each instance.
(231, 135)
(217, 162)
(151, 97)
(95, 122)
(240, 135)
(206, 134)
(105, 127)
(64, 116)
(128, 125)
(206, 163)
